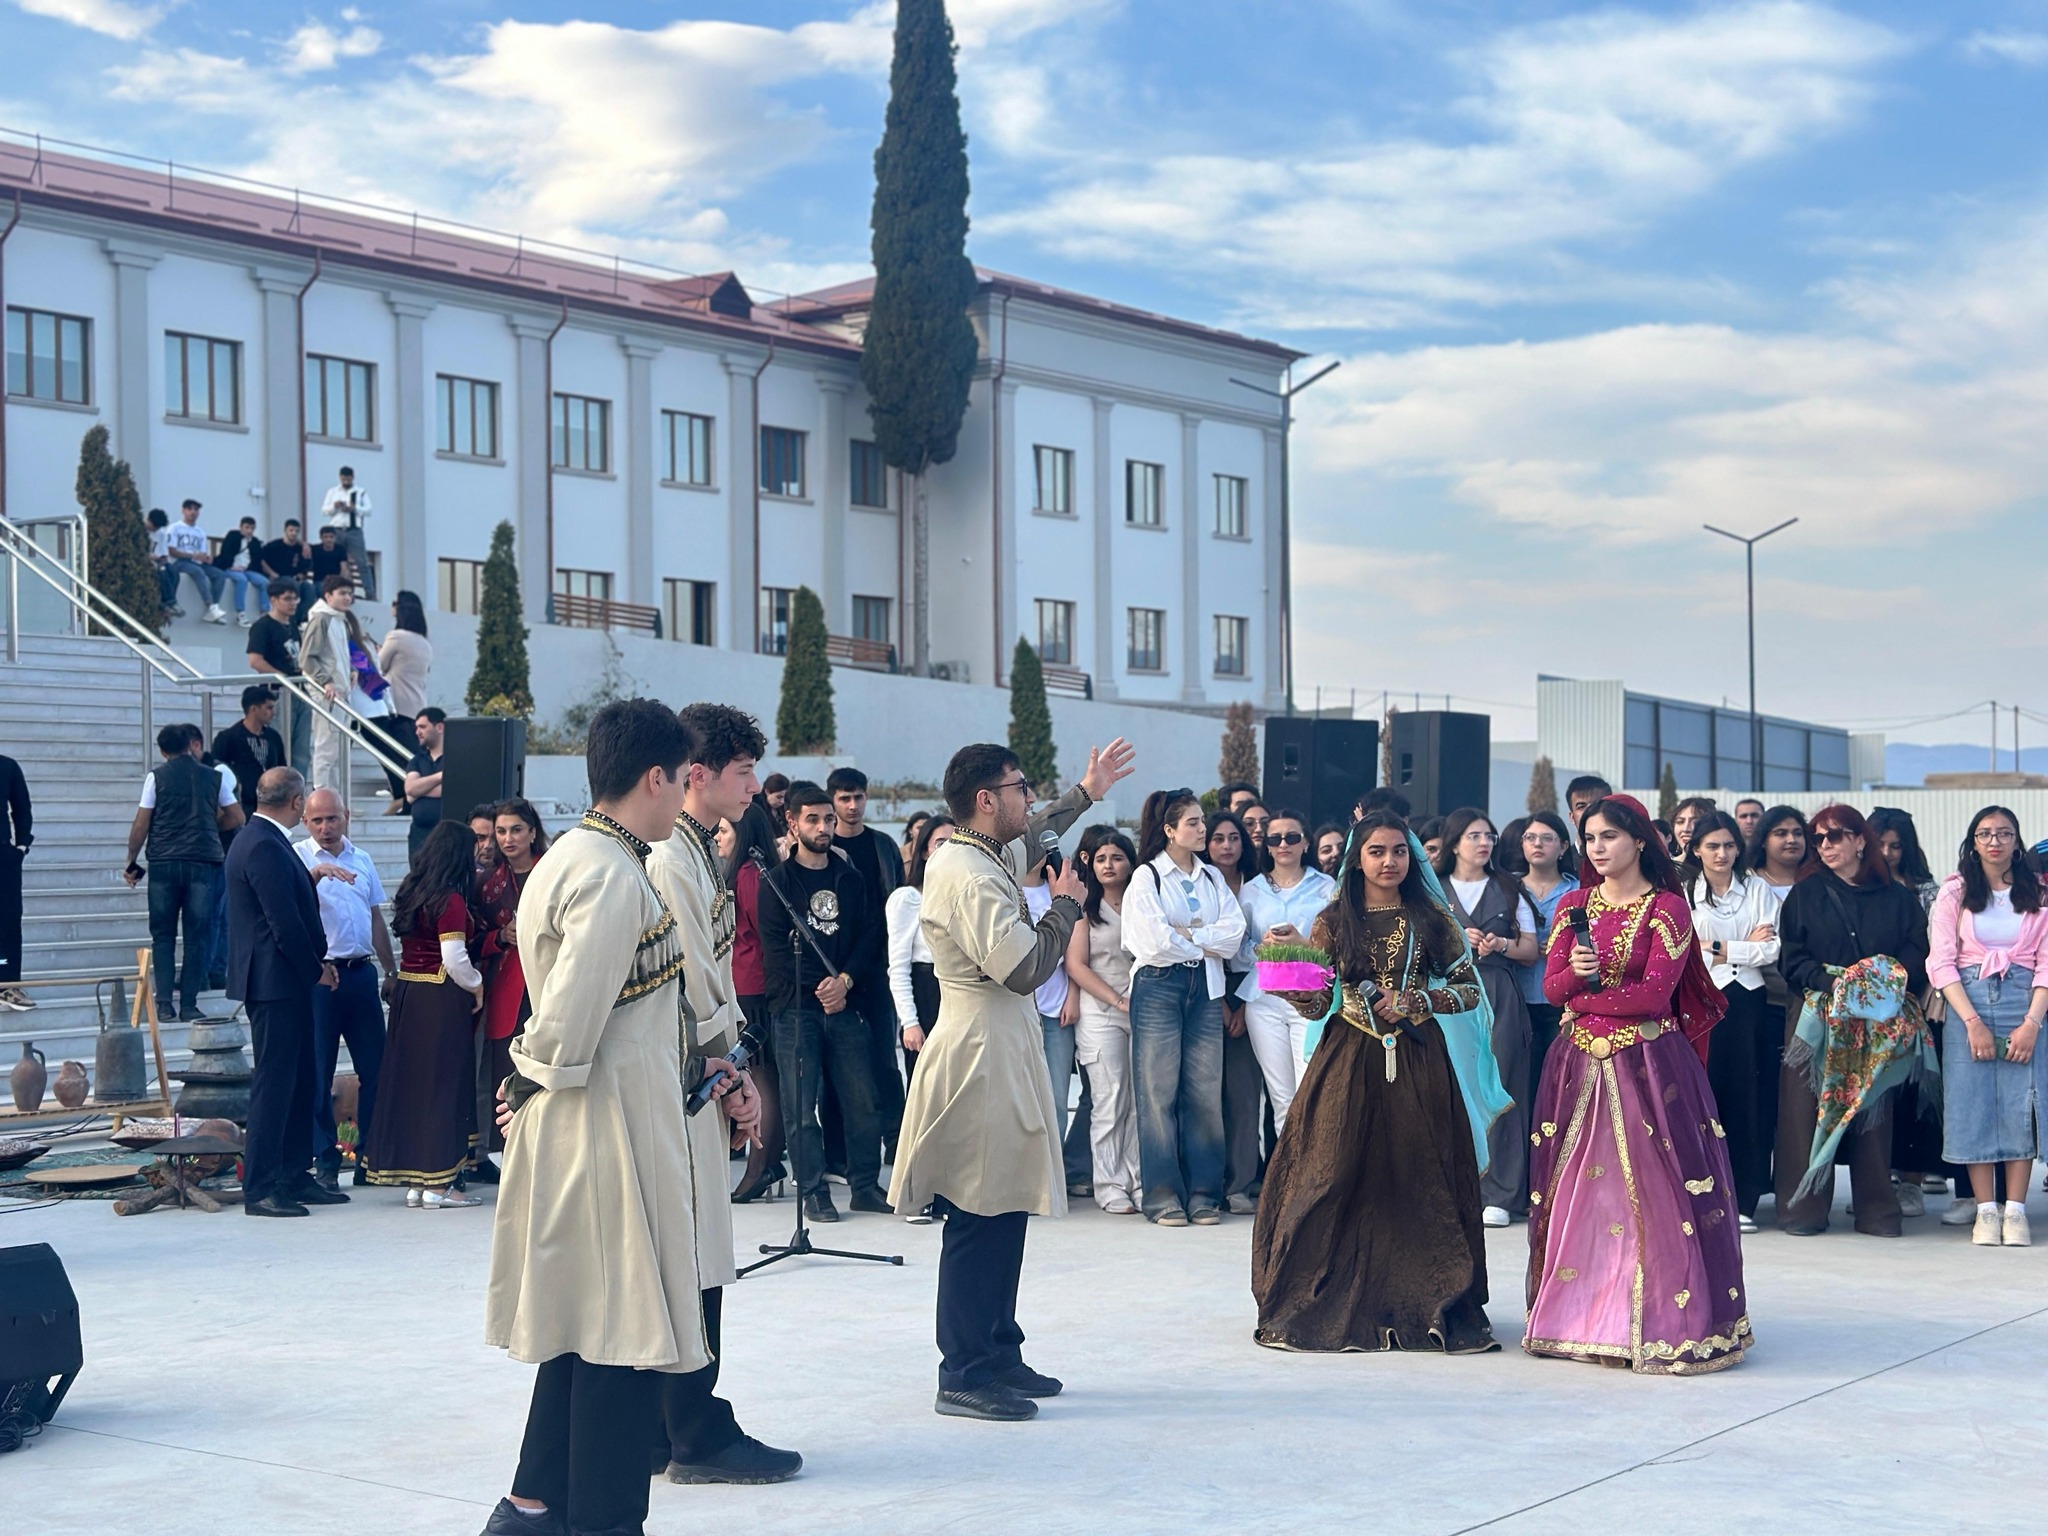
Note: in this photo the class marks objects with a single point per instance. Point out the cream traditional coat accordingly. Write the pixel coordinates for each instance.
(685, 875)
(594, 1248)
(979, 1126)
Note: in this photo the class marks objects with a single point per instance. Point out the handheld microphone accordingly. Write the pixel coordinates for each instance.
(1049, 840)
(1582, 938)
(741, 1058)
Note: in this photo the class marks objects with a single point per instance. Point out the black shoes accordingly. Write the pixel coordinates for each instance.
(507, 1520)
(818, 1205)
(328, 1179)
(871, 1199)
(995, 1403)
(483, 1171)
(1026, 1382)
(746, 1460)
(312, 1191)
(752, 1189)
(274, 1205)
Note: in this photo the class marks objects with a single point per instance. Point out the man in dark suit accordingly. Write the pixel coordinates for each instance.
(17, 822)
(277, 954)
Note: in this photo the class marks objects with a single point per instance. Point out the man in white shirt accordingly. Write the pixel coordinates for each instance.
(351, 914)
(347, 507)
(191, 555)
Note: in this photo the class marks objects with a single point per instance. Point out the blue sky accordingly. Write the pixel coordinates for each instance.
(1597, 274)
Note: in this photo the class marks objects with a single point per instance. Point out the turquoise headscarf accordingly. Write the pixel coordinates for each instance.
(1468, 1036)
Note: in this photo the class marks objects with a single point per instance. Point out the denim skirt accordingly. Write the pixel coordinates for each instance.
(1991, 1109)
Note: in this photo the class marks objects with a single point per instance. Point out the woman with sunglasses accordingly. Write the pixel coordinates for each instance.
(1845, 908)
(1281, 907)
(1181, 923)
(1989, 933)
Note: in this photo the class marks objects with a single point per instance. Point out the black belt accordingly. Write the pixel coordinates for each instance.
(351, 960)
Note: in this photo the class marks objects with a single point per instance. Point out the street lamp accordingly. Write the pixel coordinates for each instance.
(1756, 727)
(1286, 399)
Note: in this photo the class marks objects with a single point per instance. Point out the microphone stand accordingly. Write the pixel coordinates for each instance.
(799, 1243)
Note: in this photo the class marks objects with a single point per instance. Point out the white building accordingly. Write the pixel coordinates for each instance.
(673, 456)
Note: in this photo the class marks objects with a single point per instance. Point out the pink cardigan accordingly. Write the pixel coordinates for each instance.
(1952, 941)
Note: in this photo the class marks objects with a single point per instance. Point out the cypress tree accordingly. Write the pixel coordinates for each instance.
(919, 351)
(1667, 794)
(116, 538)
(501, 683)
(1240, 761)
(1542, 787)
(804, 722)
(1031, 718)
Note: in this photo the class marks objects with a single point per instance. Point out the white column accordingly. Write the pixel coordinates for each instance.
(1006, 577)
(831, 490)
(742, 502)
(1108, 622)
(135, 356)
(531, 413)
(639, 450)
(404, 511)
(1194, 624)
(1267, 662)
(284, 362)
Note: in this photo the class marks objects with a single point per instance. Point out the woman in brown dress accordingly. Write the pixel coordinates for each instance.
(1368, 1234)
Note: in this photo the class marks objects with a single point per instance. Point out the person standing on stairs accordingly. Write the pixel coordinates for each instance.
(17, 823)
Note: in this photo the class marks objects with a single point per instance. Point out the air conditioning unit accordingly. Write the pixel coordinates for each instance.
(950, 671)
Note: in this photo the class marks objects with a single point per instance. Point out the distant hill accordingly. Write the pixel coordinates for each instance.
(1910, 763)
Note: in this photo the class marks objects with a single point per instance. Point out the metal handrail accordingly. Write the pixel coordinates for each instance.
(96, 607)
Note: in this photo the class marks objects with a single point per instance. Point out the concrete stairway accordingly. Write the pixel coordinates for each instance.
(71, 715)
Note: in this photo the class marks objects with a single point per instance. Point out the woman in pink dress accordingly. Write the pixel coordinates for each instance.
(1635, 1259)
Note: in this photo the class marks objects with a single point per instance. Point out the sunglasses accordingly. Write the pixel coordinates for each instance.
(1285, 839)
(1832, 835)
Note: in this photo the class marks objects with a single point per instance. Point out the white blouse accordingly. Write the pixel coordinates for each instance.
(1749, 904)
(906, 948)
(1174, 919)
(1267, 906)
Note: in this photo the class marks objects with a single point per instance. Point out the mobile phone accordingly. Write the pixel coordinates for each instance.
(1582, 938)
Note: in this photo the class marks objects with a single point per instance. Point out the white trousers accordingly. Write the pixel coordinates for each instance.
(1279, 1038)
(327, 756)
(1102, 1044)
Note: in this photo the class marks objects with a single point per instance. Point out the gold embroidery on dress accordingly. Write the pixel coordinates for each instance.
(1637, 912)
(1535, 1197)
(1700, 1186)
(1615, 1230)
(1599, 1171)
(1717, 1129)
(1675, 944)
(1685, 1227)
(1682, 1298)
(1567, 1274)
(1550, 1127)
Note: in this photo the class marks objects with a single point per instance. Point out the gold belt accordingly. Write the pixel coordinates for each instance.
(1619, 1038)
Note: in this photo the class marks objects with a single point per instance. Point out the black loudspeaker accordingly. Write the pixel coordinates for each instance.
(483, 761)
(39, 1339)
(1320, 768)
(1443, 760)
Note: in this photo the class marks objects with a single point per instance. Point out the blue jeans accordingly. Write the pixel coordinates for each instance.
(351, 1012)
(1992, 1110)
(248, 585)
(1059, 1063)
(184, 888)
(1177, 1080)
(210, 582)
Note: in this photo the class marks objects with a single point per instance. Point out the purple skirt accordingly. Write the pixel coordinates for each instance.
(1635, 1258)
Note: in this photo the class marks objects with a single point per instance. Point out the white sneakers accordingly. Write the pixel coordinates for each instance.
(216, 614)
(1120, 1205)
(1961, 1212)
(2017, 1234)
(1745, 1224)
(244, 620)
(1495, 1216)
(1987, 1233)
(16, 1000)
(2009, 1229)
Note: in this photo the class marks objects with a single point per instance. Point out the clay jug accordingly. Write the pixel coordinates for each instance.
(28, 1079)
(70, 1085)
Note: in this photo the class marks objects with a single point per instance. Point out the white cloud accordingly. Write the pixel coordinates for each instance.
(114, 18)
(316, 46)
(2027, 49)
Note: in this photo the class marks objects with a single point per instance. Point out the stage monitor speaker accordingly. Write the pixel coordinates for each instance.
(39, 1338)
(483, 761)
(1443, 760)
(1321, 768)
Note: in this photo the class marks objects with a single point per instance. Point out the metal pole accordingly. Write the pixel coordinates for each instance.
(13, 608)
(148, 716)
(1756, 724)
(1994, 735)
(206, 715)
(2016, 739)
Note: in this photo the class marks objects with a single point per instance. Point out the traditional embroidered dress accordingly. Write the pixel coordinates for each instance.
(594, 1249)
(685, 871)
(426, 1120)
(1634, 1254)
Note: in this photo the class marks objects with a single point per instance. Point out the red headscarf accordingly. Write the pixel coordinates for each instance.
(1696, 1001)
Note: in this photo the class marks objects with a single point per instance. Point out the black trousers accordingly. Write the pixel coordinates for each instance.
(1078, 1154)
(980, 1261)
(835, 1043)
(1244, 1099)
(10, 914)
(1731, 1073)
(696, 1422)
(279, 1145)
(351, 1012)
(403, 729)
(585, 1451)
(1544, 1019)
(1867, 1142)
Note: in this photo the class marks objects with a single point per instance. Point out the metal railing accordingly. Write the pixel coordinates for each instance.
(868, 655)
(93, 608)
(1071, 681)
(67, 533)
(574, 611)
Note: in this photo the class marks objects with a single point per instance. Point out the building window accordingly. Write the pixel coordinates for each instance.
(1230, 501)
(871, 619)
(870, 476)
(596, 585)
(692, 611)
(202, 378)
(469, 417)
(340, 399)
(1148, 640)
(1055, 632)
(1055, 480)
(462, 585)
(1144, 493)
(689, 447)
(1233, 644)
(49, 357)
(782, 463)
(583, 434)
(775, 603)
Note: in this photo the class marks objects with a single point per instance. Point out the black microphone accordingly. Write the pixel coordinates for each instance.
(1582, 938)
(1049, 840)
(741, 1058)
